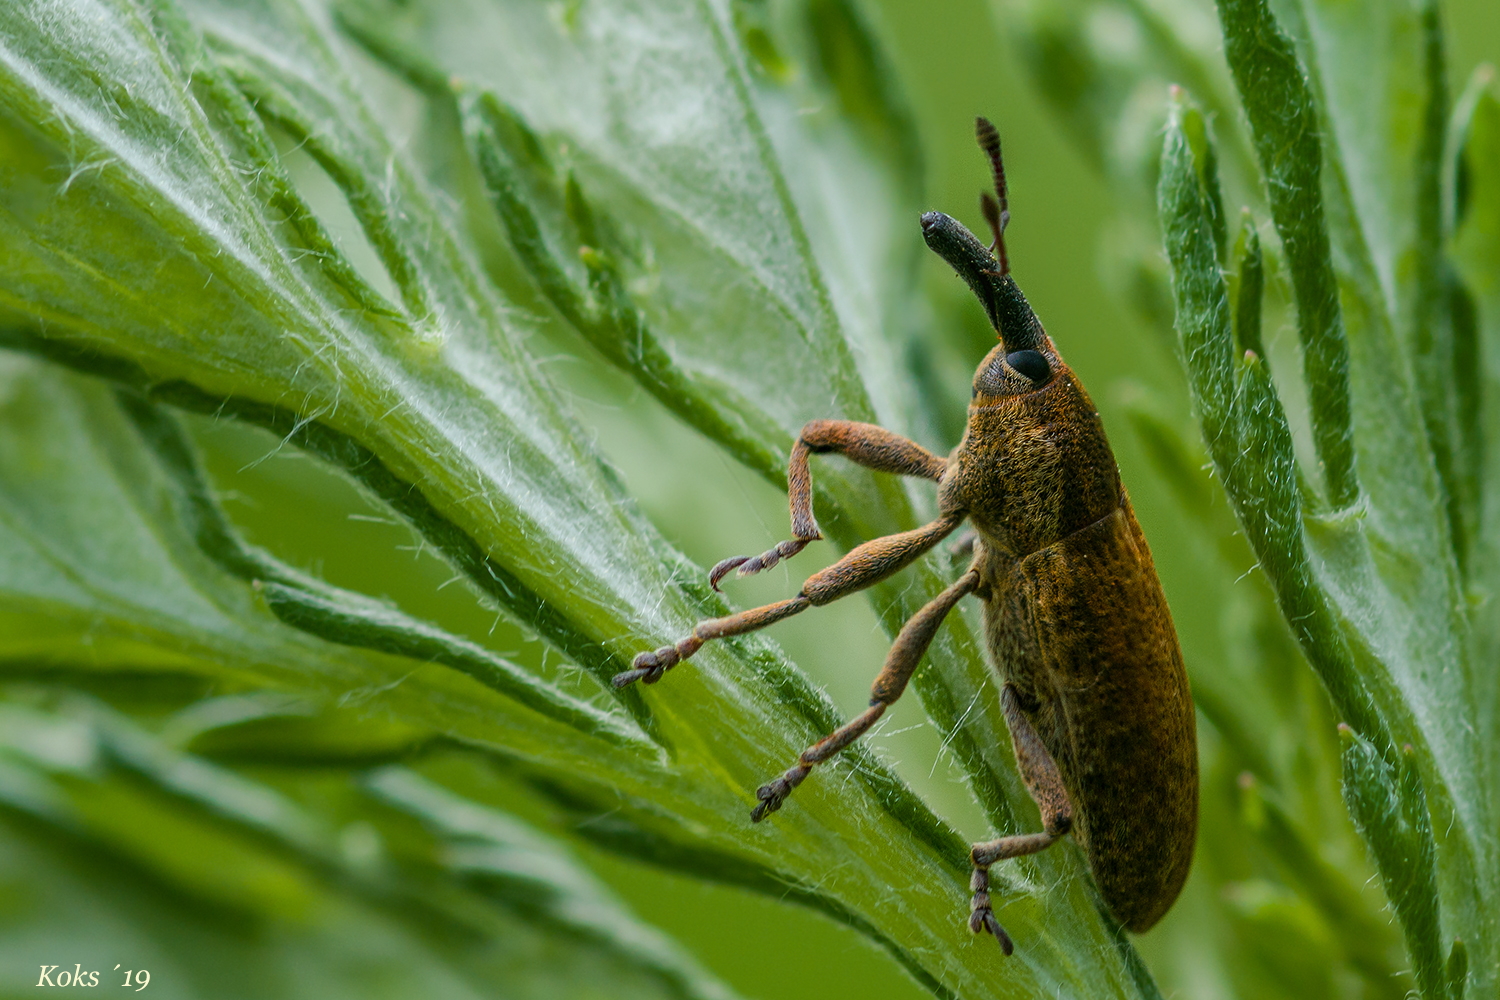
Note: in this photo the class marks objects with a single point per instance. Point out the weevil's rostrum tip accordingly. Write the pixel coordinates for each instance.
(947, 237)
(952, 241)
(932, 221)
(1003, 302)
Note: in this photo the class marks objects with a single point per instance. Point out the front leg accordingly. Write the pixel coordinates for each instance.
(1044, 782)
(867, 564)
(871, 446)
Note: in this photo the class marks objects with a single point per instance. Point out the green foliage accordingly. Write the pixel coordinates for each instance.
(377, 881)
(368, 229)
(1373, 540)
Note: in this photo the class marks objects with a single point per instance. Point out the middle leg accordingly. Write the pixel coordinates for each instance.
(865, 565)
(906, 652)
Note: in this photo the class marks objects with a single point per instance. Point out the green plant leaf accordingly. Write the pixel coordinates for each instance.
(149, 599)
(360, 885)
(155, 235)
(1373, 592)
(1390, 809)
(1284, 124)
(1476, 188)
(1476, 255)
(661, 125)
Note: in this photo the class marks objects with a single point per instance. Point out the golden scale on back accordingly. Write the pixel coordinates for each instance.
(1092, 682)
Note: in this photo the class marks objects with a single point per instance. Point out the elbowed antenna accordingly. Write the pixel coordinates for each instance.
(1009, 312)
(996, 212)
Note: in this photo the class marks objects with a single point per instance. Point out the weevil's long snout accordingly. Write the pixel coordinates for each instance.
(950, 240)
(1009, 313)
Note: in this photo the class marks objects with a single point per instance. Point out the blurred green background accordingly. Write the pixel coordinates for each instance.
(956, 60)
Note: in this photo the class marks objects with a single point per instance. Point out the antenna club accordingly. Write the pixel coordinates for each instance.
(997, 209)
(987, 134)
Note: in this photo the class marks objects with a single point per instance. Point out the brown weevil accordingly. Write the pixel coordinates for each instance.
(1092, 682)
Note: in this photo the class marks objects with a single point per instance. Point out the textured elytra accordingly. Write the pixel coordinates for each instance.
(1077, 623)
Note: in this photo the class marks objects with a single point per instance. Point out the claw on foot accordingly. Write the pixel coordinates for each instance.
(773, 793)
(750, 565)
(722, 568)
(982, 917)
(625, 678)
(984, 920)
(648, 667)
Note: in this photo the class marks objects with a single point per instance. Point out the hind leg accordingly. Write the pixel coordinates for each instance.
(906, 652)
(1044, 782)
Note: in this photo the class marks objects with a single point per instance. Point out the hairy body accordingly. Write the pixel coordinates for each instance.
(1077, 626)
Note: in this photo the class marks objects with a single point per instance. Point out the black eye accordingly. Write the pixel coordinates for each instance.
(1029, 363)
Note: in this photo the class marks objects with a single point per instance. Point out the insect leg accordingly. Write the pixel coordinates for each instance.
(1044, 782)
(650, 665)
(870, 446)
(1038, 769)
(906, 652)
(877, 559)
(868, 564)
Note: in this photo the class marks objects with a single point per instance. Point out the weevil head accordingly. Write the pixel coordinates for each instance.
(1034, 464)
